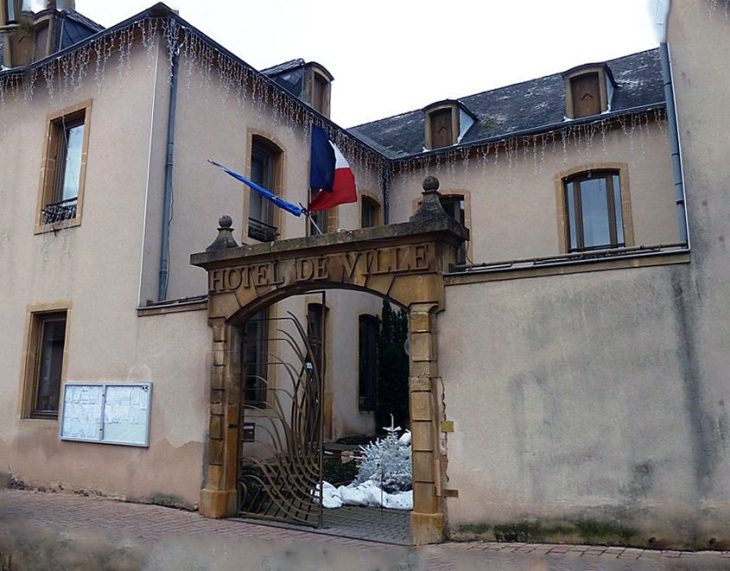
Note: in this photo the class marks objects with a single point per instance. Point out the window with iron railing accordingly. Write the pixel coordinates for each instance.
(261, 231)
(64, 167)
(265, 159)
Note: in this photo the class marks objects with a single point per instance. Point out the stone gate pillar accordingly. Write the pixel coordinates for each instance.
(427, 518)
(219, 497)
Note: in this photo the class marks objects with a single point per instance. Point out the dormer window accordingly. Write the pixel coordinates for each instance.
(588, 90)
(320, 88)
(446, 123)
(317, 86)
(310, 82)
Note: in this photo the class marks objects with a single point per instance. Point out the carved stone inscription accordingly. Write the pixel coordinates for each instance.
(346, 267)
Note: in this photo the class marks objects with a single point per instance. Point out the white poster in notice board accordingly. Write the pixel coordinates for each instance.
(110, 413)
(82, 408)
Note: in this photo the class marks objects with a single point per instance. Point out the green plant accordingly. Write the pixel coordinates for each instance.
(392, 393)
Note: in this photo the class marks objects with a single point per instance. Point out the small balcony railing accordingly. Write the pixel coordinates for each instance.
(261, 231)
(59, 211)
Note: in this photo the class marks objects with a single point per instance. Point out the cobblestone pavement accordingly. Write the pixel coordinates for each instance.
(371, 524)
(65, 531)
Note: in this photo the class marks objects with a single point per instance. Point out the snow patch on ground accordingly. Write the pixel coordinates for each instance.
(366, 494)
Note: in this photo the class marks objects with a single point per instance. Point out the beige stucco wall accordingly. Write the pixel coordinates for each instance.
(109, 265)
(215, 123)
(343, 363)
(171, 467)
(601, 397)
(511, 196)
(699, 39)
(568, 400)
(95, 269)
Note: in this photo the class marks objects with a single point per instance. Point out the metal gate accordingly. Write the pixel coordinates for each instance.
(280, 453)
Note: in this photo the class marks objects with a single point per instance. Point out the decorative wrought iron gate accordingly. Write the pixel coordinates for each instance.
(280, 454)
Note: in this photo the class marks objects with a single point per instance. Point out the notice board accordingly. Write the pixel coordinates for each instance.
(108, 413)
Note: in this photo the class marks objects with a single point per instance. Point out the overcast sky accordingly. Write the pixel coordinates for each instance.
(392, 56)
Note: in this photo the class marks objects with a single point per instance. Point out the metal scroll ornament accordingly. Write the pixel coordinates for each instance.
(280, 475)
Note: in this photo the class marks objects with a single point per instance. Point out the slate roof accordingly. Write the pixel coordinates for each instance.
(285, 66)
(530, 106)
(289, 75)
(77, 28)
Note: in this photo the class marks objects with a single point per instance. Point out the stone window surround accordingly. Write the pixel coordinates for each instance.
(49, 168)
(561, 207)
(366, 196)
(29, 369)
(267, 140)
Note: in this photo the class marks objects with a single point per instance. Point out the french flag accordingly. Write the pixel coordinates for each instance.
(329, 173)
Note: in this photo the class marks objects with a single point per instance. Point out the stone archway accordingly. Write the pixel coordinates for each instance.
(403, 262)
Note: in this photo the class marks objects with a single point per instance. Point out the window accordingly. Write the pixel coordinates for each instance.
(442, 133)
(265, 158)
(367, 379)
(64, 168)
(455, 206)
(319, 91)
(594, 211)
(369, 212)
(255, 359)
(10, 17)
(45, 364)
(315, 334)
(33, 5)
(446, 122)
(586, 94)
(588, 90)
(316, 91)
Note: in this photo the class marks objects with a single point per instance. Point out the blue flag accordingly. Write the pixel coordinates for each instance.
(321, 162)
(267, 194)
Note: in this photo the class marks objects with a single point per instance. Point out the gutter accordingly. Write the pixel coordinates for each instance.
(167, 204)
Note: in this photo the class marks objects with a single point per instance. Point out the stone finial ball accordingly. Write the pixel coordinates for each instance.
(225, 221)
(430, 183)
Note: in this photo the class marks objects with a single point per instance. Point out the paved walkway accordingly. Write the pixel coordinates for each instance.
(64, 531)
(370, 524)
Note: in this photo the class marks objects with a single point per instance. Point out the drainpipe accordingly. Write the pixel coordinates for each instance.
(674, 145)
(167, 207)
(662, 12)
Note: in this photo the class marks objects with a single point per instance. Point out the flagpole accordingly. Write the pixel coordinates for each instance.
(309, 217)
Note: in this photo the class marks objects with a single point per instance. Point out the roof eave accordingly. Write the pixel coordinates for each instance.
(532, 131)
(161, 10)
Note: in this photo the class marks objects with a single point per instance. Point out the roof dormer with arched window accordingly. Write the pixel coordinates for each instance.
(588, 90)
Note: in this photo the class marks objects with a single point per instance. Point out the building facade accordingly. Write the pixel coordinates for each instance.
(567, 351)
